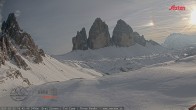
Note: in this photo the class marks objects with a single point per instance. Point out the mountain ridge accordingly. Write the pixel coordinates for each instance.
(178, 40)
(99, 36)
(16, 42)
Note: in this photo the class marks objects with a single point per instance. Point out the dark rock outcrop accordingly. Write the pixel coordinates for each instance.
(20, 62)
(10, 26)
(139, 39)
(16, 74)
(153, 42)
(80, 40)
(41, 52)
(122, 34)
(14, 43)
(99, 36)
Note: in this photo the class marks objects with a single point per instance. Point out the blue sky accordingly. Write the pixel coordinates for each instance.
(53, 23)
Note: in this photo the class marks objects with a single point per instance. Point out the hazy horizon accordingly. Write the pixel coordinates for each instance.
(52, 24)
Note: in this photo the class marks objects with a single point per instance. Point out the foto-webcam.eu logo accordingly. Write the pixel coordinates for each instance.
(19, 93)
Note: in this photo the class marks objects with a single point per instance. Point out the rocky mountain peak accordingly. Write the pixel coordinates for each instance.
(122, 34)
(15, 44)
(80, 40)
(10, 24)
(99, 36)
(83, 33)
(139, 39)
(124, 25)
(98, 20)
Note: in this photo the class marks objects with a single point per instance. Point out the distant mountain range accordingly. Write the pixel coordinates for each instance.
(178, 40)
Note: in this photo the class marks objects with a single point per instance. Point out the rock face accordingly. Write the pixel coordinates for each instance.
(10, 26)
(139, 39)
(99, 36)
(153, 42)
(80, 40)
(16, 74)
(15, 43)
(122, 34)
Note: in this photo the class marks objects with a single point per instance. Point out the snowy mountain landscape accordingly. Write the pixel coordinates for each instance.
(22, 64)
(169, 86)
(122, 70)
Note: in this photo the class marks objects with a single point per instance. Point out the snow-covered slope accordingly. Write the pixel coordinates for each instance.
(53, 70)
(22, 63)
(111, 60)
(167, 86)
(48, 71)
(178, 41)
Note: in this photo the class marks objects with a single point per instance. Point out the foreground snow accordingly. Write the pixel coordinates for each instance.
(166, 86)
